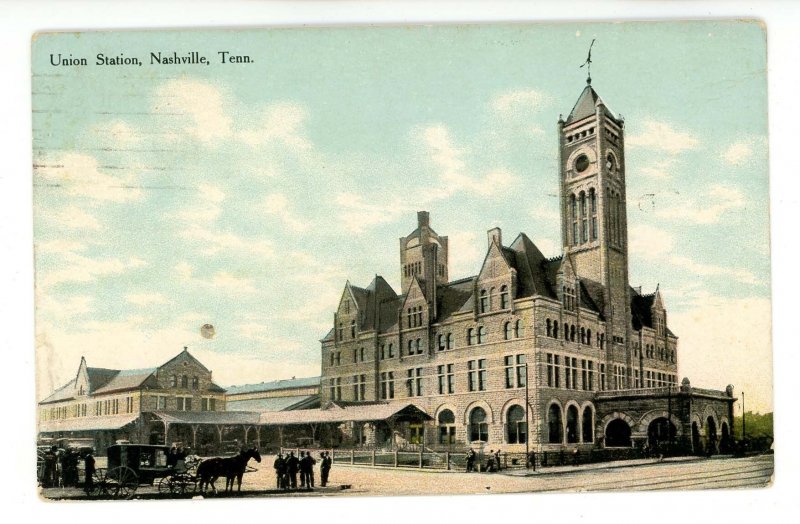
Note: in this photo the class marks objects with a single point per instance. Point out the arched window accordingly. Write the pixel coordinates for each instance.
(583, 335)
(572, 425)
(574, 214)
(447, 427)
(555, 329)
(173, 381)
(584, 228)
(410, 347)
(516, 429)
(507, 331)
(184, 381)
(549, 327)
(555, 435)
(418, 346)
(195, 382)
(481, 335)
(341, 331)
(572, 333)
(470, 335)
(449, 341)
(478, 426)
(352, 329)
(566, 332)
(518, 330)
(440, 342)
(593, 208)
(484, 301)
(504, 297)
(587, 425)
(589, 337)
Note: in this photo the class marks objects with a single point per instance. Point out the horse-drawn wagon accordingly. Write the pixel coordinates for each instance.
(131, 465)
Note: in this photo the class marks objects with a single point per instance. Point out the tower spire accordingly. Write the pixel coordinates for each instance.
(588, 63)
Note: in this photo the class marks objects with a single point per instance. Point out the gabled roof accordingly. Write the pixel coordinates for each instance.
(99, 377)
(130, 379)
(585, 106)
(186, 353)
(274, 403)
(642, 310)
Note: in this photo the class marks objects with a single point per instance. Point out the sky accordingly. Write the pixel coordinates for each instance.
(167, 197)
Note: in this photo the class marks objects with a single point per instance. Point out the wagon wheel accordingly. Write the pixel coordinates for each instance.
(123, 482)
(99, 483)
(165, 485)
(184, 483)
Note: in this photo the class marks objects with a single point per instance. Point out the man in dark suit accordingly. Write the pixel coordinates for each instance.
(292, 465)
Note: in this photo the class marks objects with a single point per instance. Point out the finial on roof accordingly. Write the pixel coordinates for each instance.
(186, 348)
(589, 64)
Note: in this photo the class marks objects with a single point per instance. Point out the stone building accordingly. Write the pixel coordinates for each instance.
(531, 351)
(137, 405)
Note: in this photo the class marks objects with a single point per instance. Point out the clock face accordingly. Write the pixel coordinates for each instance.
(582, 163)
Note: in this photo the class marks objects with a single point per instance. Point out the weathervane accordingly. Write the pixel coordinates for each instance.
(589, 63)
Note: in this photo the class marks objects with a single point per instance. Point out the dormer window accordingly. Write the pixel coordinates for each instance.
(504, 297)
(484, 301)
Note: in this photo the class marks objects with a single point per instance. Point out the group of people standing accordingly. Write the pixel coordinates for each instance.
(492, 461)
(287, 467)
(60, 468)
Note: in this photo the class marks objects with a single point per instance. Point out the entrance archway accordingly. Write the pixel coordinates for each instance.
(711, 434)
(696, 447)
(618, 434)
(661, 433)
(587, 424)
(478, 427)
(554, 425)
(725, 441)
(572, 424)
(447, 428)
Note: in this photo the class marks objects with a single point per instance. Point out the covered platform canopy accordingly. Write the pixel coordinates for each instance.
(338, 414)
(87, 424)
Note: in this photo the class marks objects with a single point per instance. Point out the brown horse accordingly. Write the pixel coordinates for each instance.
(231, 468)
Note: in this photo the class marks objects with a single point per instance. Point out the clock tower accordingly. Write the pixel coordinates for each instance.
(594, 233)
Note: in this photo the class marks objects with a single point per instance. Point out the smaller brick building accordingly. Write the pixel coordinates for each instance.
(112, 404)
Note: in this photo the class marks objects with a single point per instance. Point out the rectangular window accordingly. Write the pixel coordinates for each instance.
(180, 403)
(359, 387)
(591, 375)
(414, 382)
(574, 373)
(339, 388)
(522, 371)
(383, 351)
(188, 404)
(584, 375)
(203, 404)
(384, 388)
(602, 377)
(333, 355)
(557, 370)
(212, 404)
(338, 358)
(441, 379)
(567, 374)
(515, 371)
(451, 379)
(482, 374)
(472, 375)
(508, 362)
(550, 381)
(391, 350)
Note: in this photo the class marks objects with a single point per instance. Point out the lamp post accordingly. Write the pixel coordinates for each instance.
(744, 414)
(527, 426)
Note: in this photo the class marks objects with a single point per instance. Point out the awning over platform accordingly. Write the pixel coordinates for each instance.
(87, 423)
(208, 417)
(340, 414)
(274, 403)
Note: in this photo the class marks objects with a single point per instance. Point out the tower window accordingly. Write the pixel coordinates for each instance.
(504, 297)
(574, 214)
(584, 230)
(593, 207)
(582, 163)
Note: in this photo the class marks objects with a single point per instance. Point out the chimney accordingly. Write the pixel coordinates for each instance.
(423, 219)
(495, 235)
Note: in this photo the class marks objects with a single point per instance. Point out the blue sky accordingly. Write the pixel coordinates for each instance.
(167, 197)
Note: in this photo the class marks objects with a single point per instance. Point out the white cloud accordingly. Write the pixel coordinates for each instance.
(708, 209)
(709, 270)
(210, 242)
(59, 247)
(75, 267)
(659, 169)
(184, 270)
(204, 105)
(146, 299)
(650, 243)
(453, 173)
(282, 123)
(79, 174)
(204, 208)
(743, 152)
(75, 218)
(277, 204)
(521, 100)
(118, 132)
(727, 341)
(228, 282)
(466, 252)
(662, 136)
(357, 214)
(64, 310)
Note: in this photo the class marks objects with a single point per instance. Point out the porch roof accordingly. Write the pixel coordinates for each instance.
(87, 423)
(338, 414)
(208, 417)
